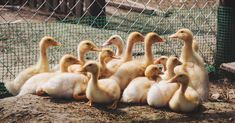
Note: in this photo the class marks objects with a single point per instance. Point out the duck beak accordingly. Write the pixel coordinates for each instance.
(106, 43)
(96, 49)
(82, 70)
(180, 63)
(56, 43)
(78, 62)
(161, 40)
(115, 57)
(173, 36)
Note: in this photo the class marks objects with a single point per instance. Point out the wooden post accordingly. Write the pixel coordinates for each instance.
(96, 8)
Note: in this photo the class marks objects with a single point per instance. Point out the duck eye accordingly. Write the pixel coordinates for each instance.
(87, 43)
(181, 31)
(113, 38)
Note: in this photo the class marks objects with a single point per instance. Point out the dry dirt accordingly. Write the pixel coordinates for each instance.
(220, 108)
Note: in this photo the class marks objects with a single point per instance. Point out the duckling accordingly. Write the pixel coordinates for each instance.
(171, 63)
(133, 38)
(161, 60)
(188, 54)
(42, 66)
(136, 91)
(160, 93)
(54, 83)
(132, 69)
(117, 41)
(106, 55)
(195, 46)
(198, 76)
(185, 99)
(103, 90)
(64, 84)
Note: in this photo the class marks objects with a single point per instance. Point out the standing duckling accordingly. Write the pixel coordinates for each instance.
(42, 66)
(136, 91)
(133, 38)
(103, 90)
(185, 99)
(188, 54)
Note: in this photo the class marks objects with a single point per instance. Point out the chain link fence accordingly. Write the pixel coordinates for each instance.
(24, 22)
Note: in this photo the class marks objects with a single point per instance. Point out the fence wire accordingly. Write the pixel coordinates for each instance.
(24, 22)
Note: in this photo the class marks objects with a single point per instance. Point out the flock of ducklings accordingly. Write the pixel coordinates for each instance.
(182, 83)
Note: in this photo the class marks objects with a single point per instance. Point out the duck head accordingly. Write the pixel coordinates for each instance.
(153, 37)
(87, 45)
(183, 34)
(107, 54)
(182, 79)
(173, 61)
(135, 37)
(152, 72)
(91, 67)
(48, 41)
(161, 60)
(115, 40)
(66, 61)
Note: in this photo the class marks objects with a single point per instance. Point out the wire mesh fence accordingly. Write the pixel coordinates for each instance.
(24, 22)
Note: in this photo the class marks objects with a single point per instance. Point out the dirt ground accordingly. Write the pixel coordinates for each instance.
(28, 108)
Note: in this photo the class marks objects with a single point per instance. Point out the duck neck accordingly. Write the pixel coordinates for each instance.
(119, 50)
(94, 77)
(148, 53)
(164, 67)
(170, 71)
(43, 64)
(63, 67)
(102, 62)
(187, 49)
(183, 88)
(81, 57)
(128, 52)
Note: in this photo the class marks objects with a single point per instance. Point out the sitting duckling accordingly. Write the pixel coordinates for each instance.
(136, 91)
(103, 90)
(185, 99)
(41, 67)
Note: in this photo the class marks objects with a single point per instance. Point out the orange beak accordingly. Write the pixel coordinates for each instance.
(55, 43)
(115, 57)
(162, 40)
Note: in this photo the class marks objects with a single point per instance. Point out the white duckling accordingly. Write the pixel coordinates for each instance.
(188, 54)
(199, 79)
(132, 69)
(161, 60)
(160, 93)
(64, 84)
(133, 38)
(42, 66)
(185, 99)
(117, 41)
(136, 91)
(103, 90)
(34, 82)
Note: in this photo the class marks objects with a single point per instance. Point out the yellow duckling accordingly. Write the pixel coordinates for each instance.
(136, 91)
(64, 84)
(42, 66)
(185, 99)
(188, 54)
(103, 90)
(133, 38)
(105, 55)
(117, 41)
(198, 76)
(34, 82)
(132, 69)
(160, 93)
(161, 60)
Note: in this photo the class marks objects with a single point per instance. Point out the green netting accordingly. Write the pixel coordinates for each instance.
(226, 35)
(19, 41)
